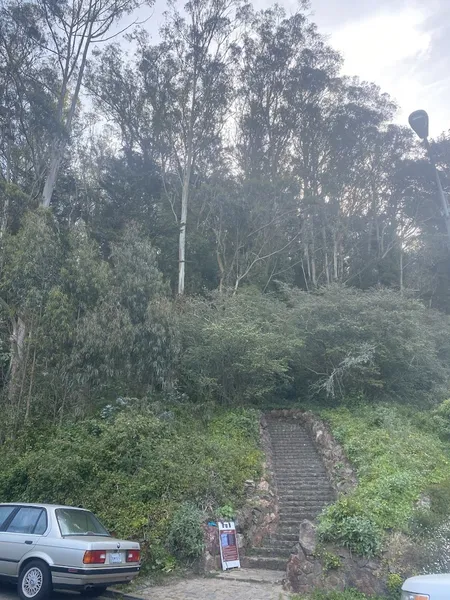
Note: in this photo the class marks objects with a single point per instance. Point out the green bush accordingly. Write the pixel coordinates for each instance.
(136, 467)
(185, 539)
(394, 585)
(343, 523)
(236, 349)
(329, 560)
(376, 343)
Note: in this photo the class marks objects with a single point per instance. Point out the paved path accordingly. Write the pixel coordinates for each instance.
(214, 589)
(239, 585)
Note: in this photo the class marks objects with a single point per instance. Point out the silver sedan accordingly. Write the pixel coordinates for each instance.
(45, 547)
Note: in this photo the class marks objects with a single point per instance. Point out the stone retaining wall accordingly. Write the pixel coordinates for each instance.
(330, 568)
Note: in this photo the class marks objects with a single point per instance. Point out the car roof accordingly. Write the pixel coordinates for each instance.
(40, 505)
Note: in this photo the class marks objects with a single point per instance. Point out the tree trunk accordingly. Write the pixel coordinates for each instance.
(50, 181)
(59, 144)
(17, 358)
(401, 270)
(182, 239)
(335, 258)
(313, 257)
(221, 270)
(325, 250)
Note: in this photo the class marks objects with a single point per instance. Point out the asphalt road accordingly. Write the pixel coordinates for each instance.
(8, 592)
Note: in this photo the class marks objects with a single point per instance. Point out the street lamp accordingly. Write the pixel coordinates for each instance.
(419, 122)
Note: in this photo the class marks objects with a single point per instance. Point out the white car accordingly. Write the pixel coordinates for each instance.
(45, 547)
(427, 587)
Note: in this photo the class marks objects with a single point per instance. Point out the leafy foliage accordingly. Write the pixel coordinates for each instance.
(153, 466)
(185, 538)
(236, 349)
(344, 524)
(377, 343)
(396, 460)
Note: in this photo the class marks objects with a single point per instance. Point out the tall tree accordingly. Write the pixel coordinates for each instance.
(193, 62)
(66, 32)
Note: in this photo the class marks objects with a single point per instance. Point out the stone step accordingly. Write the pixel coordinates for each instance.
(288, 536)
(264, 562)
(287, 509)
(301, 498)
(299, 509)
(300, 470)
(297, 517)
(269, 578)
(271, 552)
(273, 541)
(296, 452)
(303, 477)
(303, 490)
(293, 524)
(315, 484)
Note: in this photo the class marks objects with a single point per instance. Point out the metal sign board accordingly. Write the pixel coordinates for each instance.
(229, 552)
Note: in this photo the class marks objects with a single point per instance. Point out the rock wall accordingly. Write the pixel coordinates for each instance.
(329, 567)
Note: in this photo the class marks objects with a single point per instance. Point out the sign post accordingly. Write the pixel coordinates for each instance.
(229, 552)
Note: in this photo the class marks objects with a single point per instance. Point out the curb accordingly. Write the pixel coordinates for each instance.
(114, 593)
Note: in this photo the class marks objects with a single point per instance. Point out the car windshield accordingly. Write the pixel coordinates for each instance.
(79, 522)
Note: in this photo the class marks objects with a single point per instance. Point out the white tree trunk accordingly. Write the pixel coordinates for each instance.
(182, 239)
(50, 181)
(17, 358)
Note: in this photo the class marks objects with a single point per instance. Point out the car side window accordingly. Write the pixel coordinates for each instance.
(5, 513)
(26, 520)
(41, 524)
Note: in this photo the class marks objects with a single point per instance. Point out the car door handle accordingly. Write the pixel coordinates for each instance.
(28, 541)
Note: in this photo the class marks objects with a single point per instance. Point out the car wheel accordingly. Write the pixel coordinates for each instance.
(35, 581)
(95, 592)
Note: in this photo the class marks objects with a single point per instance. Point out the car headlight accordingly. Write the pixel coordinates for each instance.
(413, 596)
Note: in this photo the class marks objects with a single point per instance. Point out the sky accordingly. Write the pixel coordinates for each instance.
(401, 45)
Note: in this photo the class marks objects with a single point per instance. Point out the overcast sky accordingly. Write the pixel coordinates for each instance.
(402, 45)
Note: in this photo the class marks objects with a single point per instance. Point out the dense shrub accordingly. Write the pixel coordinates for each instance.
(335, 344)
(185, 539)
(236, 349)
(136, 467)
(377, 343)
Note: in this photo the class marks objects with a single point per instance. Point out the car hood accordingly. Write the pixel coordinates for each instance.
(96, 542)
(427, 584)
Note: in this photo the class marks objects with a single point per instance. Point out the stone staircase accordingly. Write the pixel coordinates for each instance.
(303, 491)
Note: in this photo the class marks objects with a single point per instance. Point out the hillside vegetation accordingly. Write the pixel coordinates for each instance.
(400, 455)
(138, 467)
(198, 228)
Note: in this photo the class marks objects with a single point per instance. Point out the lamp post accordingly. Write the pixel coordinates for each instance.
(419, 123)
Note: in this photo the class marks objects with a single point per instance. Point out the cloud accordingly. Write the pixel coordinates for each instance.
(406, 52)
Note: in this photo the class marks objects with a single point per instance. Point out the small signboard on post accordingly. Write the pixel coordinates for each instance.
(229, 552)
